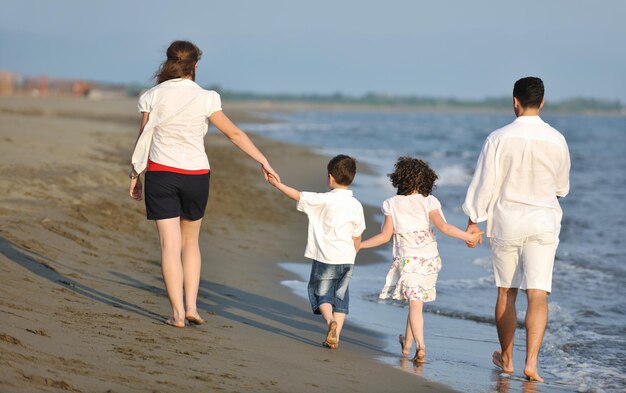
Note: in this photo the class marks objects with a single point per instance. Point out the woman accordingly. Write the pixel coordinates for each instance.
(175, 116)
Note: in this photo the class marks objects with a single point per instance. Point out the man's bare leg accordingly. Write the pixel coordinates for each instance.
(506, 323)
(536, 321)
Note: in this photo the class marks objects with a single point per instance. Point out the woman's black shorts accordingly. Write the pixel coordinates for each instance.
(170, 195)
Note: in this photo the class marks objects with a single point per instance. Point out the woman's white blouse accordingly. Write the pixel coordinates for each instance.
(178, 139)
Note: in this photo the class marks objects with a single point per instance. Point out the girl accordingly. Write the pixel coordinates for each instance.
(170, 146)
(416, 263)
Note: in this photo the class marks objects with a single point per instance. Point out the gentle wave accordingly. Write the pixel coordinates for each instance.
(455, 175)
(584, 343)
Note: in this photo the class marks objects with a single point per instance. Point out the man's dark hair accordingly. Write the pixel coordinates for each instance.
(343, 169)
(529, 92)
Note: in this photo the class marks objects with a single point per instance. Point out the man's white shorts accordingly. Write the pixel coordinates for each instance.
(524, 263)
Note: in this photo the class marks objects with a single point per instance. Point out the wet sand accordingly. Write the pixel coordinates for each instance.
(82, 302)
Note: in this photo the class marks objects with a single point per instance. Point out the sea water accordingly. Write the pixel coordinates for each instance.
(584, 348)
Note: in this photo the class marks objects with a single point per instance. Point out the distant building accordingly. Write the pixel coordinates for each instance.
(81, 89)
(7, 83)
(39, 86)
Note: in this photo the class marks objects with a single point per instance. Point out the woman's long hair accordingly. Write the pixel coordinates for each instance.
(182, 57)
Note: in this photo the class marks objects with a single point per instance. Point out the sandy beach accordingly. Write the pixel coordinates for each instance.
(82, 299)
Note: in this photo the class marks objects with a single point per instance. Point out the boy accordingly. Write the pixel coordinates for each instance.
(336, 223)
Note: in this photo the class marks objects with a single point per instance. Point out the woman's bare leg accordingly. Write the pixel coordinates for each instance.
(191, 263)
(171, 267)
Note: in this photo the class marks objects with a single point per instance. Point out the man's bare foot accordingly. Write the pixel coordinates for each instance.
(331, 335)
(172, 322)
(532, 374)
(420, 356)
(405, 350)
(496, 358)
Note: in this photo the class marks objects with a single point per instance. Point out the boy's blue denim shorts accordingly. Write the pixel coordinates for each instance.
(329, 284)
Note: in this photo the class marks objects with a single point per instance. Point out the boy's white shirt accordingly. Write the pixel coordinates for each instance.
(335, 217)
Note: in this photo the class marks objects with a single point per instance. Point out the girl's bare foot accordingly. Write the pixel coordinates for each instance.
(405, 350)
(420, 356)
(497, 359)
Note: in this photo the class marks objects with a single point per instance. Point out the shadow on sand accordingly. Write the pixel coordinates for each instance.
(235, 304)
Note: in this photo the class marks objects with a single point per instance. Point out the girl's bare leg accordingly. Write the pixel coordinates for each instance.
(416, 321)
(406, 341)
(172, 268)
(191, 263)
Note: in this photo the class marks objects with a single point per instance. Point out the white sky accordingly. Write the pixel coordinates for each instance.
(455, 48)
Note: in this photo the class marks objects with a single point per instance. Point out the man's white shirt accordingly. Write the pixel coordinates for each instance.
(521, 170)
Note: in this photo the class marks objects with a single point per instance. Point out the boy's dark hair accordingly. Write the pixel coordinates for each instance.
(529, 92)
(411, 174)
(342, 168)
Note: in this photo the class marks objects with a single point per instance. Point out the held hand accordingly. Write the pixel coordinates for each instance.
(477, 238)
(269, 171)
(474, 229)
(273, 180)
(136, 189)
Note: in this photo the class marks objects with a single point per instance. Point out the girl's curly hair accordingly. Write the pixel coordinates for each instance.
(411, 174)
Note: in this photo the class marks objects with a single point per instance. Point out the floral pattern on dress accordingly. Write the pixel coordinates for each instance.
(419, 238)
(412, 278)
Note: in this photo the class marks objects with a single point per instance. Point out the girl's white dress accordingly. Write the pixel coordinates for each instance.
(416, 262)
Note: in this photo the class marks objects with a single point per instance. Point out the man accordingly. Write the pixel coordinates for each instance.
(522, 169)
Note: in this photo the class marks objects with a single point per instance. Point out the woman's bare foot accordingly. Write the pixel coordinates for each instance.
(172, 322)
(497, 359)
(405, 350)
(194, 318)
(420, 356)
(532, 374)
